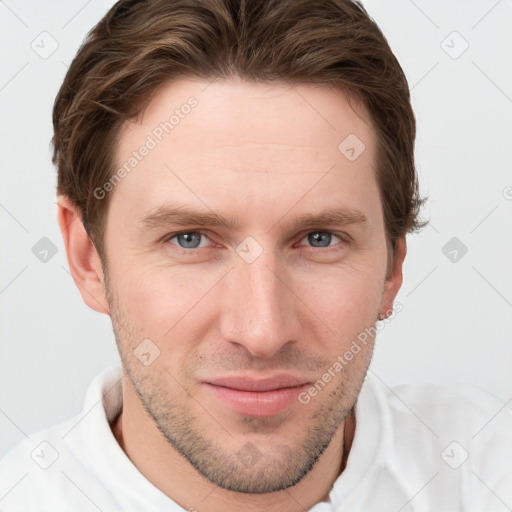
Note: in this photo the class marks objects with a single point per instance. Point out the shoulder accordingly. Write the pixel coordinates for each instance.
(47, 470)
(31, 472)
(458, 434)
(451, 406)
(442, 412)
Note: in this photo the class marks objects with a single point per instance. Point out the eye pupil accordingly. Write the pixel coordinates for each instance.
(190, 240)
(319, 237)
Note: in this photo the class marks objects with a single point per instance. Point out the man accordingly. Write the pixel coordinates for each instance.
(236, 181)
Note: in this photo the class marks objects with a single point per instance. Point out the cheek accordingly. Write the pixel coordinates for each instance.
(347, 298)
(155, 298)
(160, 299)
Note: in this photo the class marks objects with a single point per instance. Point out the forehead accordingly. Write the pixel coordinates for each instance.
(313, 116)
(255, 141)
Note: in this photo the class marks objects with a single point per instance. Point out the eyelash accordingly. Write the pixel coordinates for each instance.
(189, 252)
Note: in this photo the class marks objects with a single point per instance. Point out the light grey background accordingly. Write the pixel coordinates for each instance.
(456, 322)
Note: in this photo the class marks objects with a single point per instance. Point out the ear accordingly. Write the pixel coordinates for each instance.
(83, 259)
(394, 278)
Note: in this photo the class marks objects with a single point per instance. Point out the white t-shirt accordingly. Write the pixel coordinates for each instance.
(416, 448)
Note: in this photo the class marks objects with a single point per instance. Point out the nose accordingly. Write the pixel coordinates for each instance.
(259, 308)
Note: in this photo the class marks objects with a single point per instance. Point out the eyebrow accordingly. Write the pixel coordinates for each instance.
(184, 216)
(165, 216)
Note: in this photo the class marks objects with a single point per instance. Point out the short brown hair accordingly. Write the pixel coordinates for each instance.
(141, 44)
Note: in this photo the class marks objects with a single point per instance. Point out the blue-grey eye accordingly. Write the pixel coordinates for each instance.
(190, 240)
(319, 238)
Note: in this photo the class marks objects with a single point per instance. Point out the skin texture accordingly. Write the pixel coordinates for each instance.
(262, 155)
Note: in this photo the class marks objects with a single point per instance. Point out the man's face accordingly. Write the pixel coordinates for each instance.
(260, 297)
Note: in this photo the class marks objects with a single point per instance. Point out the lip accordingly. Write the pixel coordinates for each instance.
(246, 383)
(257, 397)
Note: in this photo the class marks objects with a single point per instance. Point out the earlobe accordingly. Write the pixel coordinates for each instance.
(83, 259)
(394, 279)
